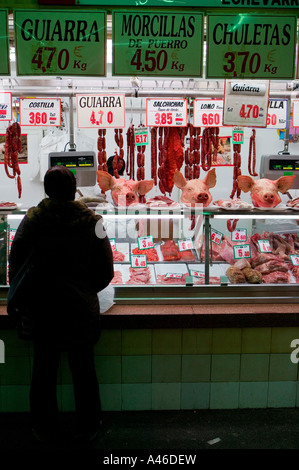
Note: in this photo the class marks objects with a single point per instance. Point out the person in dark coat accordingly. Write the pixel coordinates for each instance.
(73, 261)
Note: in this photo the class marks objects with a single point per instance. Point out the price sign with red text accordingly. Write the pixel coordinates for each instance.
(242, 251)
(186, 244)
(207, 113)
(251, 46)
(197, 274)
(277, 114)
(144, 243)
(173, 276)
(239, 235)
(157, 43)
(40, 112)
(138, 261)
(246, 103)
(295, 260)
(5, 106)
(101, 111)
(216, 236)
(237, 135)
(113, 244)
(141, 136)
(169, 112)
(60, 42)
(264, 246)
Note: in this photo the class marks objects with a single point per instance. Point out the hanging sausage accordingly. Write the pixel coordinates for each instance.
(118, 159)
(231, 226)
(154, 154)
(130, 151)
(13, 147)
(252, 155)
(102, 156)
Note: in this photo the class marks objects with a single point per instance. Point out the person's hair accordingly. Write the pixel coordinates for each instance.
(60, 183)
(110, 166)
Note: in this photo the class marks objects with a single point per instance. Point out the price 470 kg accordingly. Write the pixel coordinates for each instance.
(43, 59)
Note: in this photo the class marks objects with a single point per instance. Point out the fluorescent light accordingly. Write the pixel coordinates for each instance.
(256, 216)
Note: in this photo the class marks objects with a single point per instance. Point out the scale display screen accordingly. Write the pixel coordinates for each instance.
(284, 165)
(73, 161)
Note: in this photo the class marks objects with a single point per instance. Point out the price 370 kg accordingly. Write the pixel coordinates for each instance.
(249, 62)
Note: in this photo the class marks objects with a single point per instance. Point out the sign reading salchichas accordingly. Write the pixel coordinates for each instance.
(251, 46)
(58, 42)
(157, 43)
(4, 44)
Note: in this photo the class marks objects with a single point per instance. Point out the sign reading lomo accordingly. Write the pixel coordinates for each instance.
(157, 43)
(101, 111)
(246, 103)
(58, 42)
(251, 46)
(169, 112)
(40, 112)
(207, 113)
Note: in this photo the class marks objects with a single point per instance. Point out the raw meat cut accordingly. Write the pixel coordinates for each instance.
(162, 201)
(151, 253)
(139, 276)
(271, 266)
(117, 279)
(162, 279)
(118, 256)
(170, 251)
(277, 277)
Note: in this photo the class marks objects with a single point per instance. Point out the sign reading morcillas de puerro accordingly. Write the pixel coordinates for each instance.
(57, 42)
(157, 43)
(4, 44)
(251, 46)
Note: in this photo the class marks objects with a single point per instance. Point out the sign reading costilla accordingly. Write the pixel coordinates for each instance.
(246, 103)
(101, 111)
(58, 42)
(251, 46)
(4, 44)
(157, 43)
(40, 112)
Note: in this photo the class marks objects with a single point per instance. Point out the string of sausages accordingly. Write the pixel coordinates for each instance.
(231, 224)
(13, 146)
(140, 165)
(252, 155)
(209, 147)
(118, 159)
(192, 153)
(102, 155)
(162, 158)
(130, 151)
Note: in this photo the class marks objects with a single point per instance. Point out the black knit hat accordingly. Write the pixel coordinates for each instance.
(60, 183)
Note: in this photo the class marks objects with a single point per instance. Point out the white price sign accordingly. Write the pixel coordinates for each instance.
(145, 242)
(100, 111)
(138, 261)
(6, 106)
(169, 112)
(242, 251)
(295, 260)
(216, 236)
(173, 276)
(207, 113)
(295, 113)
(186, 244)
(113, 244)
(246, 103)
(277, 114)
(264, 246)
(197, 274)
(239, 235)
(40, 112)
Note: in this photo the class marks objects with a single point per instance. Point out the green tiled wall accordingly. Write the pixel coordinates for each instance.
(159, 369)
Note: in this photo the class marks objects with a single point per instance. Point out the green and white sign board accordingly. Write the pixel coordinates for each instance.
(4, 44)
(251, 46)
(60, 42)
(157, 43)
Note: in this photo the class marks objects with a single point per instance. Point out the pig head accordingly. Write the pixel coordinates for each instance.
(123, 192)
(195, 191)
(264, 192)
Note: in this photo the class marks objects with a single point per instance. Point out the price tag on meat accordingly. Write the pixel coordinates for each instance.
(113, 244)
(40, 112)
(277, 114)
(145, 242)
(295, 260)
(169, 112)
(5, 106)
(138, 261)
(246, 103)
(242, 251)
(60, 42)
(186, 244)
(197, 274)
(239, 235)
(216, 236)
(264, 246)
(101, 111)
(173, 276)
(141, 136)
(251, 46)
(157, 43)
(207, 113)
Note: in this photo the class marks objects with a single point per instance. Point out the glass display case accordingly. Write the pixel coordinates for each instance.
(184, 255)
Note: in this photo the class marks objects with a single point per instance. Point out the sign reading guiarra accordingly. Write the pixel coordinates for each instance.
(60, 42)
(251, 46)
(157, 43)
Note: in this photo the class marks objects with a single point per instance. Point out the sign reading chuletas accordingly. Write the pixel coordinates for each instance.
(157, 43)
(251, 46)
(4, 44)
(59, 42)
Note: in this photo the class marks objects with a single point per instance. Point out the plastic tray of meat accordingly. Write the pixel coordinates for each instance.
(169, 274)
(125, 275)
(198, 273)
(152, 254)
(121, 253)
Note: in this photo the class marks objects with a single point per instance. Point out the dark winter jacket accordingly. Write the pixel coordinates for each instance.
(73, 261)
